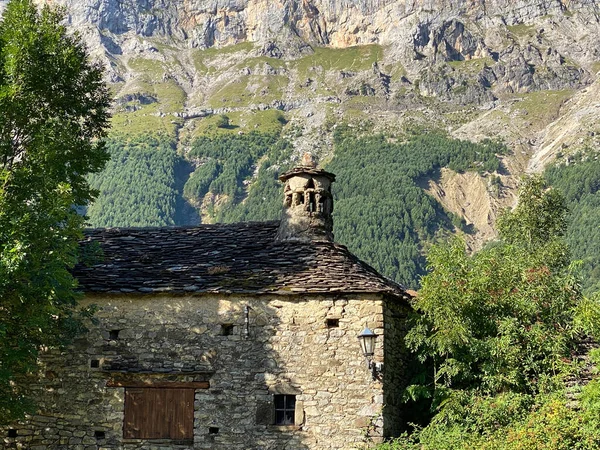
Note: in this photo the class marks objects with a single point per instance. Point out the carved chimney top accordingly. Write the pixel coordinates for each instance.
(308, 160)
(307, 203)
(309, 167)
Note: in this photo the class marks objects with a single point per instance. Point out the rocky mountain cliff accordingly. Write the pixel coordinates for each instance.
(421, 32)
(523, 72)
(505, 47)
(339, 23)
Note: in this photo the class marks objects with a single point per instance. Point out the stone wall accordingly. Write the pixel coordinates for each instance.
(397, 367)
(291, 349)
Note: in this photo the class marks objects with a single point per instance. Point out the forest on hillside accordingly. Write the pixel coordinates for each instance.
(138, 187)
(381, 213)
(579, 181)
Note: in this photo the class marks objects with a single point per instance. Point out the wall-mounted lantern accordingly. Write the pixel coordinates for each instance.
(367, 344)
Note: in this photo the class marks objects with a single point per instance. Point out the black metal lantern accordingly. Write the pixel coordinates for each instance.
(367, 342)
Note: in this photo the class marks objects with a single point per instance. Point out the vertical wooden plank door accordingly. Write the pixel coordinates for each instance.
(181, 417)
(159, 413)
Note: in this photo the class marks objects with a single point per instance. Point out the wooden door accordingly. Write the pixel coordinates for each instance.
(159, 413)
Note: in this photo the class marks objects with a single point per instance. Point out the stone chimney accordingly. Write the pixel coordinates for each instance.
(307, 203)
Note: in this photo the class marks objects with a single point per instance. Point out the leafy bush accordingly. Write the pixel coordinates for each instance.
(498, 328)
(547, 423)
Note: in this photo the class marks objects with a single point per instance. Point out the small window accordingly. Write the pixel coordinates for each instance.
(213, 430)
(333, 323)
(95, 363)
(113, 335)
(12, 433)
(285, 409)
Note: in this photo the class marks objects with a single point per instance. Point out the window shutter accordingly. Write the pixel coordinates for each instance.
(181, 413)
(134, 413)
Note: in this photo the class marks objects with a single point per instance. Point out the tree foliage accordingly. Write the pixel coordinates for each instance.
(579, 181)
(139, 186)
(382, 213)
(53, 109)
(498, 328)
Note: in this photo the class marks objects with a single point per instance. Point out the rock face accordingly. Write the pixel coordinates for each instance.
(338, 23)
(463, 52)
(467, 53)
(468, 196)
(477, 69)
(431, 30)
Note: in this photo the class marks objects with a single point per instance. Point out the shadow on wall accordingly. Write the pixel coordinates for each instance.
(250, 404)
(399, 364)
(287, 373)
(173, 372)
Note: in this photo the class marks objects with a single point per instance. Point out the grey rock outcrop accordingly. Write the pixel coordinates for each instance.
(533, 45)
(338, 23)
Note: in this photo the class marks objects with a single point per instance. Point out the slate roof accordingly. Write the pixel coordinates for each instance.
(223, 258)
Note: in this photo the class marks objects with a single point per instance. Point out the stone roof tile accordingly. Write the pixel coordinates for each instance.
(224, 258)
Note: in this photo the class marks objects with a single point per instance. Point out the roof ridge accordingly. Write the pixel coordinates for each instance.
(184, 227)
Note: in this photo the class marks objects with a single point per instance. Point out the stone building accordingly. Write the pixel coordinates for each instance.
(239, 336)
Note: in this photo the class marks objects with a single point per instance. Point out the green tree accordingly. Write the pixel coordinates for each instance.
(223, 121)
(53, 111)
(538, 223)
(497, 328)
(495, 320)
